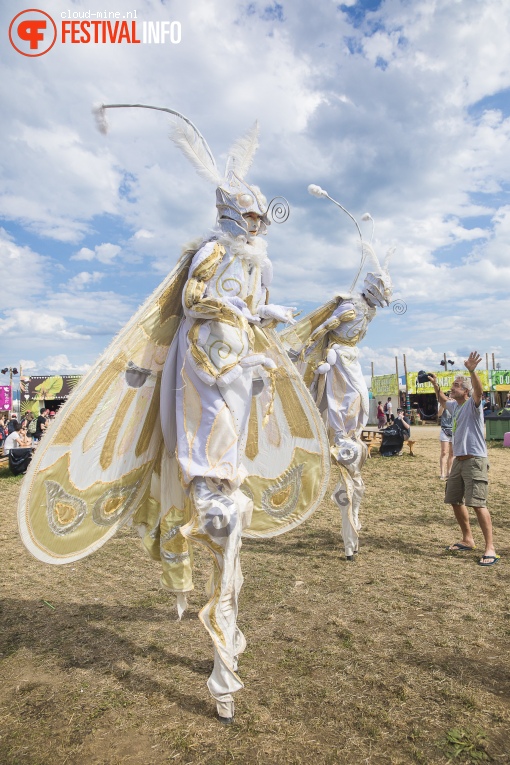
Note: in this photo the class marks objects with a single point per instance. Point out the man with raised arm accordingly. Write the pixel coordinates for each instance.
(468, 480)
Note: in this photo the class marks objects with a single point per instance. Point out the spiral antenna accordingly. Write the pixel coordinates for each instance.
(278, 210)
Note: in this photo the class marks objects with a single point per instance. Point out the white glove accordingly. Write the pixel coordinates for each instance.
(278, 312)
(257, 359)
(239, 305)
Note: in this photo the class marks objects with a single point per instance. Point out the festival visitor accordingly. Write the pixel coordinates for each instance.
(388, 408)
(381, 417)
(41, 425)
(12, 423)
(402, 424)
(15, 440)
(468, 480)
(445, 440)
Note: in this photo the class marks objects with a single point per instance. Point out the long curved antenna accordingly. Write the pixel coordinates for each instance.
(316, 191)
(99, 113)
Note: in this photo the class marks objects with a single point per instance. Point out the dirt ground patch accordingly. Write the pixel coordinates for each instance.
(400, 657)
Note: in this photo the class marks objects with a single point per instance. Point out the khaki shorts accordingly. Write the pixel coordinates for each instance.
(468, 482)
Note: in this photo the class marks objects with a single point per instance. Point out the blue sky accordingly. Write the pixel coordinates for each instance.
(396, 108)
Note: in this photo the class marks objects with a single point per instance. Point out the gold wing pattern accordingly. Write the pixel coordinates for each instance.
(83, 483)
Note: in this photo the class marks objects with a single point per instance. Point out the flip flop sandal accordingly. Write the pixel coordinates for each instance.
(459, 547)
(491, 558)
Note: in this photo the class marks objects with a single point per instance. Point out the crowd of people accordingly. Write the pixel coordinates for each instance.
(23, 433)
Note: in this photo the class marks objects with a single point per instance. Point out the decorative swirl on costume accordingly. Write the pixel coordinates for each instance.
(278, 210)
(399, 307)
(230, 284)
(221, 349)
(347, 450)
(221, 521)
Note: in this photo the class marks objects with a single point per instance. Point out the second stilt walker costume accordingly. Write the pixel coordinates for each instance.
(324, 348)
(194, 423)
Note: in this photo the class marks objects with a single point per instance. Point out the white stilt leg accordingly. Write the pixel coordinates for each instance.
(217, 524)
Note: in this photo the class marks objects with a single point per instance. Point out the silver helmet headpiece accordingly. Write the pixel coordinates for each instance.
(235, 199)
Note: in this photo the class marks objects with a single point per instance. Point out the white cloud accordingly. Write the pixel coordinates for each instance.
(23, 272)
(84, 279)
(104, 253)
(399, 114)
(25, 323)
(61, 364)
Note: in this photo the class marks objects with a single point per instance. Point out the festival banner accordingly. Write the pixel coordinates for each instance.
(444, 379)
(44, 388)
(385, 385)
(500, 379)
(5, 398)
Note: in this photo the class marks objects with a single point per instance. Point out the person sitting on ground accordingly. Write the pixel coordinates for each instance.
(15, 440)
(402, 424)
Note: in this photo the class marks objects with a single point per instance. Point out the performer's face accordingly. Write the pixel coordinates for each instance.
(253, 221)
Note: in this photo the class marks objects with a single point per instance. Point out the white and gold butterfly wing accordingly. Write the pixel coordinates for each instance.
(93, 467)
(287, 449)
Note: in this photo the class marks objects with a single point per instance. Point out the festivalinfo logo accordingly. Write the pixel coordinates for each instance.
(34, 32)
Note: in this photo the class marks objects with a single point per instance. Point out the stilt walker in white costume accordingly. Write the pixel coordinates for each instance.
(194, 423)
(324, 347)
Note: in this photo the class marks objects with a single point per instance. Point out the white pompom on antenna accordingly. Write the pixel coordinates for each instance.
(316, 191)
(366, 216)
(99, 113)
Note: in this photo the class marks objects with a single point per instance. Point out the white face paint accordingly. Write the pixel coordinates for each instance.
(253, 222)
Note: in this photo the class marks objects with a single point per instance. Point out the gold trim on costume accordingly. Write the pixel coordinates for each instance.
(207, 267)
(221, 431)
(105, 460)
(96, 429)
(170, 302)
(193, 292)
(280, 499)
(252, 441)
(292, 407)
(76, 420)
(211, 614)
(150, 421)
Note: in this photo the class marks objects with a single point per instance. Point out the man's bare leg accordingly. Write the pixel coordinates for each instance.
(484, 519)
(462, 517)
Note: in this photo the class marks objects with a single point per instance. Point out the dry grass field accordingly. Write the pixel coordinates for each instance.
(400, 657)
